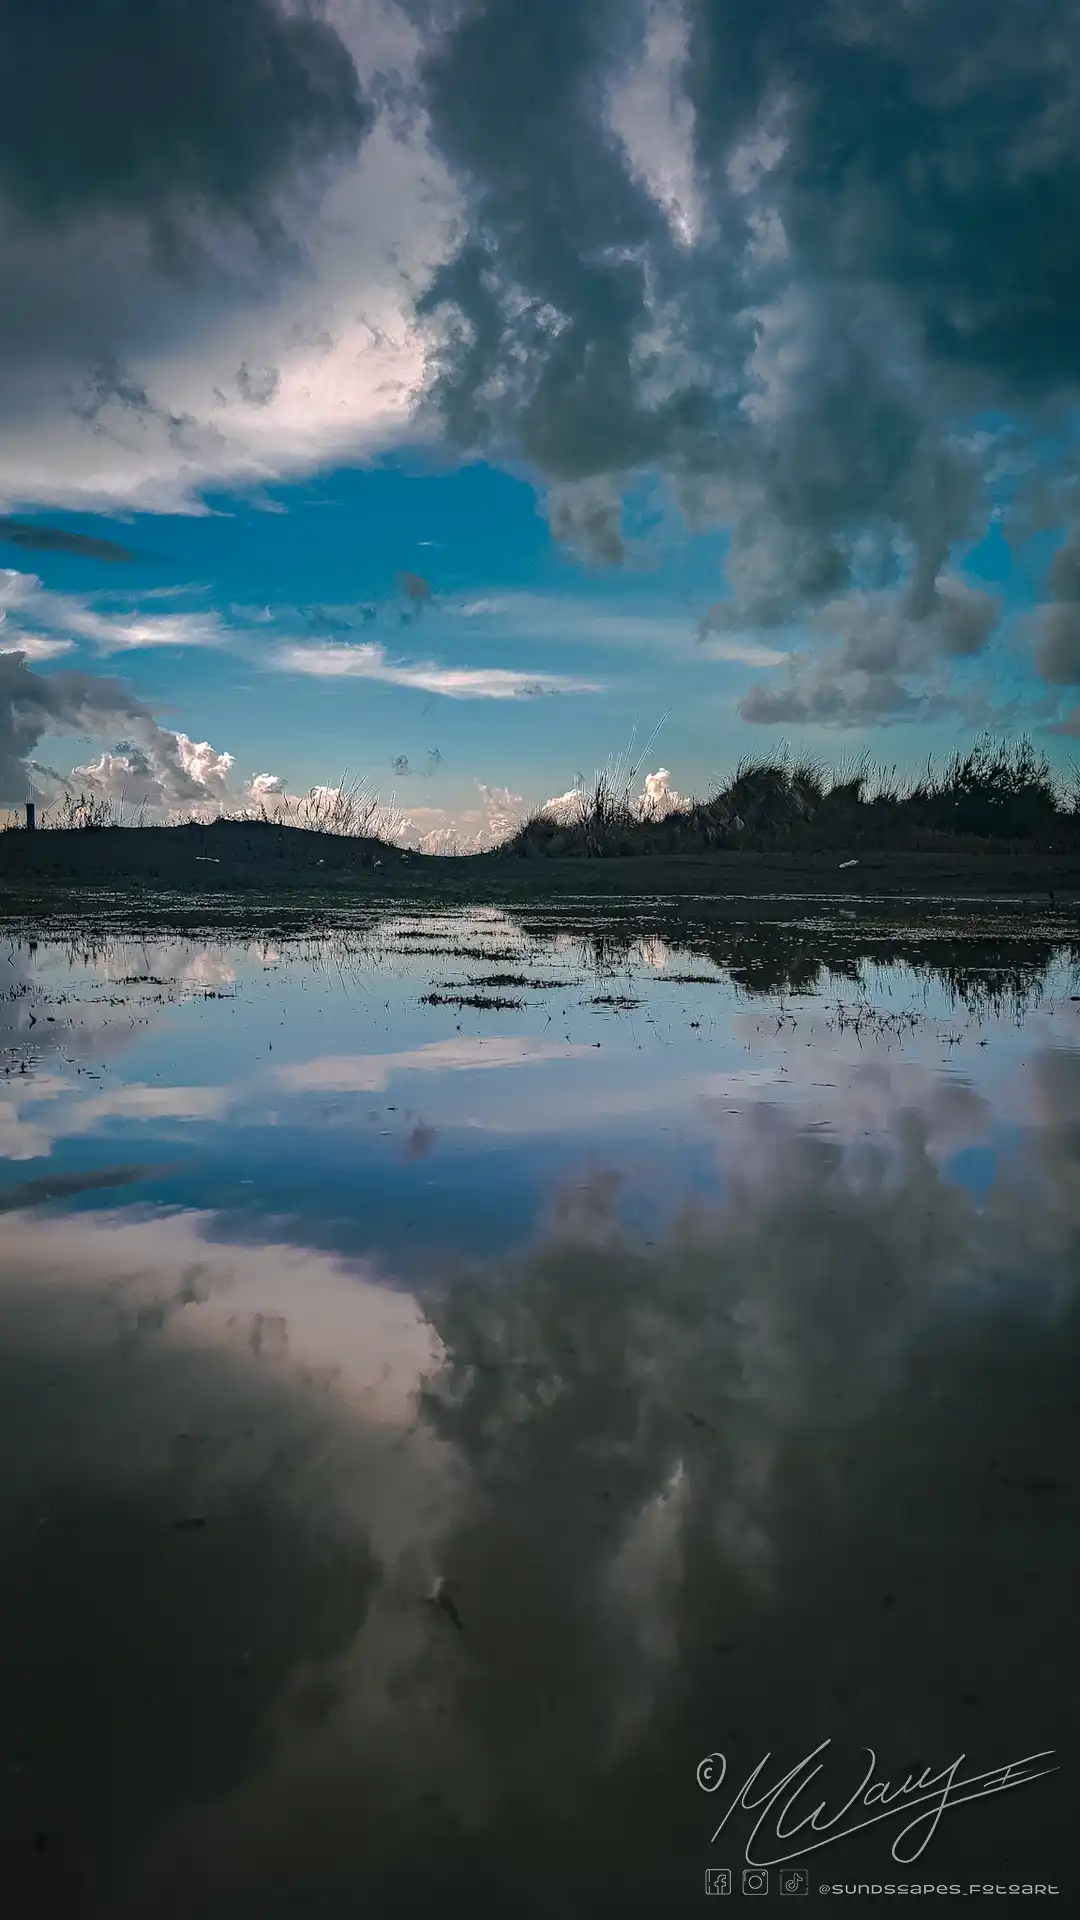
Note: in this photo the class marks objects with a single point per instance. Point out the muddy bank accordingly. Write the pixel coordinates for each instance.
(240, 858)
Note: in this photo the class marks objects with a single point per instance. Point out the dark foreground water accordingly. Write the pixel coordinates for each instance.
(450, 1450)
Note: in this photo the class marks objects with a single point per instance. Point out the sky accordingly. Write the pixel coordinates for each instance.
(451, 393)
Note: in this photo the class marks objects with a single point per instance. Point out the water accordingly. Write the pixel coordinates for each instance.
(431, 1429)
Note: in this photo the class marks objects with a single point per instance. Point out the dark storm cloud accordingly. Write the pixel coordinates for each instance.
(1058, 656)
(587, 515)
(873, 650)
(34, 704)
(21, 533)
(146, 107)
(822, 701)
(881, 248)
(513, 98)
(107, 384)
(887, 246)
(921, 155)
(157, 162)
(1059, 653)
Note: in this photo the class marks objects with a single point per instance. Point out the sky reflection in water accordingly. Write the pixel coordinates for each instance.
(714, 1343)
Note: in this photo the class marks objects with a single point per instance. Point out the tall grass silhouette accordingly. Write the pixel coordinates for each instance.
(997, 791)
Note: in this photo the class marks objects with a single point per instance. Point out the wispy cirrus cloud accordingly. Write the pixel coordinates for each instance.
(591, 622)
(370, 661)
(115, 633)
(40, 617)
(33, 646)
(520, 615)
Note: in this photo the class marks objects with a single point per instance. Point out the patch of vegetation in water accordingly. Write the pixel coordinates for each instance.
(519, 980)
(483, 1002)
(688, 979)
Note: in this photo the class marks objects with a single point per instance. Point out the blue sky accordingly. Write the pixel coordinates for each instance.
(671, 459)
(264, 596)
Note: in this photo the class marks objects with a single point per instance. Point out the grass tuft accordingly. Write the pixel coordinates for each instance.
(997, 791)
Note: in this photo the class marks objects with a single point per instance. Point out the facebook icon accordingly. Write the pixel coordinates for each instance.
(717, 1880)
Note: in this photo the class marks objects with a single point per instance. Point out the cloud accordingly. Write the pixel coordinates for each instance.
(151, 766)
(878, 664)
(170, 118)
(605, 241)
(21, 533)
(648, 110)
(266, 786)
(1058, 652)
(23, 600)
(220, 294)
(583, 621)
(369, 661)
(587, 515)
(467, 829)
(33, 704)
(817, 700)
(257, 385)
(1059, 649)
(747, 653)
(166, 772)
(33, 646)
(801, 333)
(657, 799)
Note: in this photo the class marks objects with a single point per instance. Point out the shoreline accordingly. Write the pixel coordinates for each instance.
(938, 903)
(144, 864)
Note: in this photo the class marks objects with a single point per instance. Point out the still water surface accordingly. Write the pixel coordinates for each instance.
(457, 1372)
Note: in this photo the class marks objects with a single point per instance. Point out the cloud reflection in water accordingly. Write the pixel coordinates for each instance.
(798, 1469)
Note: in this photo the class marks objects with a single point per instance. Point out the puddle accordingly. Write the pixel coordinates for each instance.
(436, 1418)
